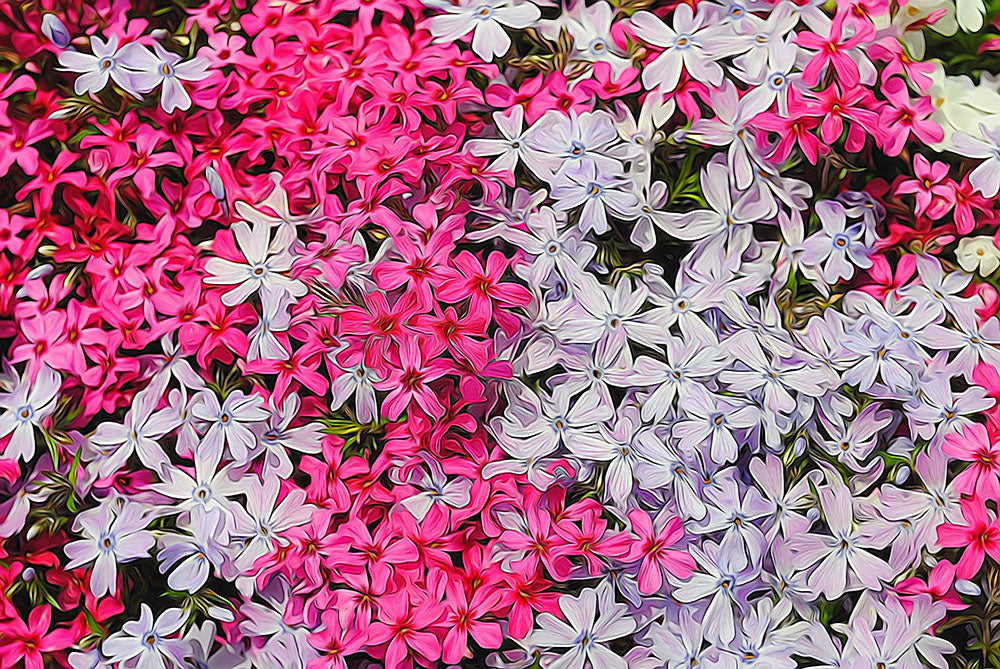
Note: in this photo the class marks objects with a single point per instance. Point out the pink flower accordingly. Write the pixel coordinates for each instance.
(833, 52)
(335, 641)
(418, 364)
(980, 536)
(973, 444)
(32, 641)
(653, 548)
(796, 128)
(465, 617)
(934, 190)
(939, 585)
(403, 624)
(903, 116)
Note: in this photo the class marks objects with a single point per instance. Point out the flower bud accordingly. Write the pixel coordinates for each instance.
(28, 574)
(812, 514)
(215, 183)
(968, 588)
(220, 613)
(799, 447)
(55, 31)
(902, 474)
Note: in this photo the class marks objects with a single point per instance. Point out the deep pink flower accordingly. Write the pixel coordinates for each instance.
(653, 548)
(978, 537)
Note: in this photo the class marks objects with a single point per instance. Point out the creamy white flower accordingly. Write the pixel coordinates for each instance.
(978, 254)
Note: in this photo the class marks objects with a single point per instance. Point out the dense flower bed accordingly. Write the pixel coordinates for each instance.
(395, 333)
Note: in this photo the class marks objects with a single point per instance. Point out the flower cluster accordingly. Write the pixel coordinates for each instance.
(402, 333)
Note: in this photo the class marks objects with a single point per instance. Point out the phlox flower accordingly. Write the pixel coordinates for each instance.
(838, 247)
(163, 68)
(110, 537)
(32, 640)
(197, 554)
(229, 423)
(485, 20)
(903, 117)
(261, 272)
(468, 616)
(653, 548)
(844, 559)
(719, 581)
(106, 62)
(689, 44)
(985, 178)
(598, 192)
(114, 443)
(264, 519)
(591, 621)
(940, 585)
(148, 643)
(972, 443)
(978, 537)
(833, 51)
(403, 624)
(26, 405)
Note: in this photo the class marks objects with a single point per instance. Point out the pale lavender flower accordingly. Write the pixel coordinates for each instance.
(107, 62)
(147, 643)
(838, 247)
(165, 69)
(844, 559)
(109, 538)
(25, 407)
(591, 621)
(598, 192)
(709, 420)
(229, 423)
(198, 554)
(689, 44)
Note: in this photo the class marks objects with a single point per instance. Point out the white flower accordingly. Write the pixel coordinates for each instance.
(114, 443)
(27, 405)
(437, 490)
(564, 143)
(485, 19)
(206, 489)
(263, 520)
(95, 70)
(277, 438)
(109, 538)
(688, 44)
(592, 620)
(838, 246)
(358, 380)
(263, 270)
(986, 177)
(229, 423)
(978, 254)
(970, 14)
(164, 68)
(598, 192)
(511, 147)
(198, 553)
(843, 559)
(590, 28)
(146, 644)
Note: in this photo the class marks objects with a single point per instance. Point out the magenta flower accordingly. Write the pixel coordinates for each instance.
(653, 548)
